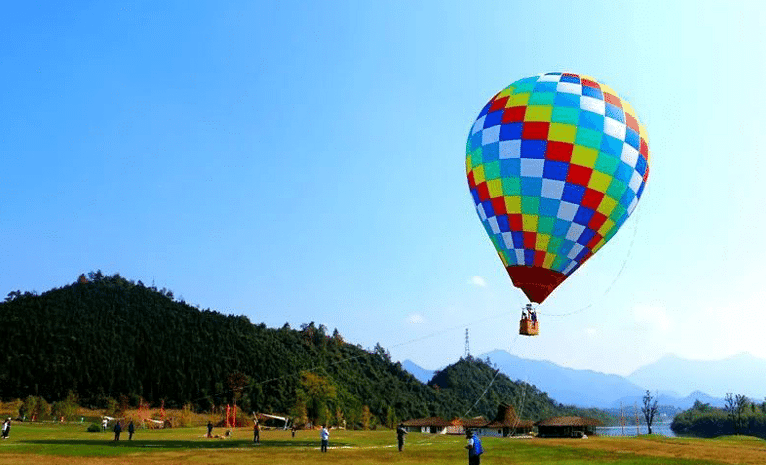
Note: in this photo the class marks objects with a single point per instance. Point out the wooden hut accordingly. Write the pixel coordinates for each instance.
(566, 427)
(506, 423)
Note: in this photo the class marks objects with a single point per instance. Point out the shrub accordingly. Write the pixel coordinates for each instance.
(94, 428)
(66, 408)
(112, 407)
(185, 417)
(34, 407)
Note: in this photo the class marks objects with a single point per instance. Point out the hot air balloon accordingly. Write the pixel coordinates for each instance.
(555, 163)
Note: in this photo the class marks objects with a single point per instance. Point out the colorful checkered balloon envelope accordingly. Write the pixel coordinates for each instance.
(556, 163)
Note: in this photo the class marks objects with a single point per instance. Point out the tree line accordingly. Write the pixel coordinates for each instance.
(740, 415)
(106, 339)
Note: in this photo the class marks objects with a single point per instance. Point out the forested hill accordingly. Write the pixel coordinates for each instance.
(470, 378)
(107, 337)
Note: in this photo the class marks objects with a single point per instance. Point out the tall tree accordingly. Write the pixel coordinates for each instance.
(731, 411)
(299, 412)
(740, 405)
(366, 417)
(236, 382)
(649, 410)
(390, 417)
(319, 391)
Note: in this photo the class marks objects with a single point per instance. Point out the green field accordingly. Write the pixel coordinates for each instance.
(53, 444)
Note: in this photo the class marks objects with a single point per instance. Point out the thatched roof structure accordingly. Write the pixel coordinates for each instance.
(506, 418)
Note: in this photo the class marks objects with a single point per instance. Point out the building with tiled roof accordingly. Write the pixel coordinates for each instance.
(438, 425)
(433, 425)
(459, 425)
(565, 427)
(506, 423)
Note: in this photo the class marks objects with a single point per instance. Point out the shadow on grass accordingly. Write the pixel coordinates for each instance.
(179, 444)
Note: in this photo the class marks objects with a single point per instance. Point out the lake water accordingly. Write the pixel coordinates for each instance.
(661, 429)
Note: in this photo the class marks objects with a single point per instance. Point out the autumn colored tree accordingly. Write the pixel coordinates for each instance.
(299, 412)
(366, 417)
(236, 382)
(318, 391)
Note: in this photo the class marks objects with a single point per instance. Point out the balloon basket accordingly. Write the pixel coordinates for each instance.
(528, 327)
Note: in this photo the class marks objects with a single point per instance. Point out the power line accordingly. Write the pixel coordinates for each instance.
(467, 346)
(614, 281)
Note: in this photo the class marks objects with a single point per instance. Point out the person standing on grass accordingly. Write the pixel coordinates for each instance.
(400, 433)
(324, 434)
(209, 429)
(117, 431)
(474, 448)
(131, 430)
(257, 432)
(6, 428)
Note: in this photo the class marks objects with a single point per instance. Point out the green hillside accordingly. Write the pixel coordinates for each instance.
(469, 378)
(106, 337)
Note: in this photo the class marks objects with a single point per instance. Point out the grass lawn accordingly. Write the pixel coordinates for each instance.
(50, 444)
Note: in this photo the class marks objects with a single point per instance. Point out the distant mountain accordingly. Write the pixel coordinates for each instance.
(670, 399)
(738, 374)
(582, 388)
(420, 373)
(688, 401)
(587, 388)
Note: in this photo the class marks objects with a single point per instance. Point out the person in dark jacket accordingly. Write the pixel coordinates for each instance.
(131, 430)
(117, 431)
(210, 429)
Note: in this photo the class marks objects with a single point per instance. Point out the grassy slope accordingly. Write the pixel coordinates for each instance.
(57, 444)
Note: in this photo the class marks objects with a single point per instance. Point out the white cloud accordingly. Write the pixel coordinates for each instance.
(478, 281)
(416, 319)
(651, 318)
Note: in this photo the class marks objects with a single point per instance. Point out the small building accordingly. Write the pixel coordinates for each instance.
(506, 423)
(459, 425)
(432, 425)
(566, 427)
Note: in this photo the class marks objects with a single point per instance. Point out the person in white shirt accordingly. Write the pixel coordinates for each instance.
(324, 434)
(6, 428)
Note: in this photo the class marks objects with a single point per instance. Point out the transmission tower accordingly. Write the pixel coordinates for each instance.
(467, 350)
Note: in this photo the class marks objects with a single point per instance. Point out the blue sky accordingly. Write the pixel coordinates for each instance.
(298, 163)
